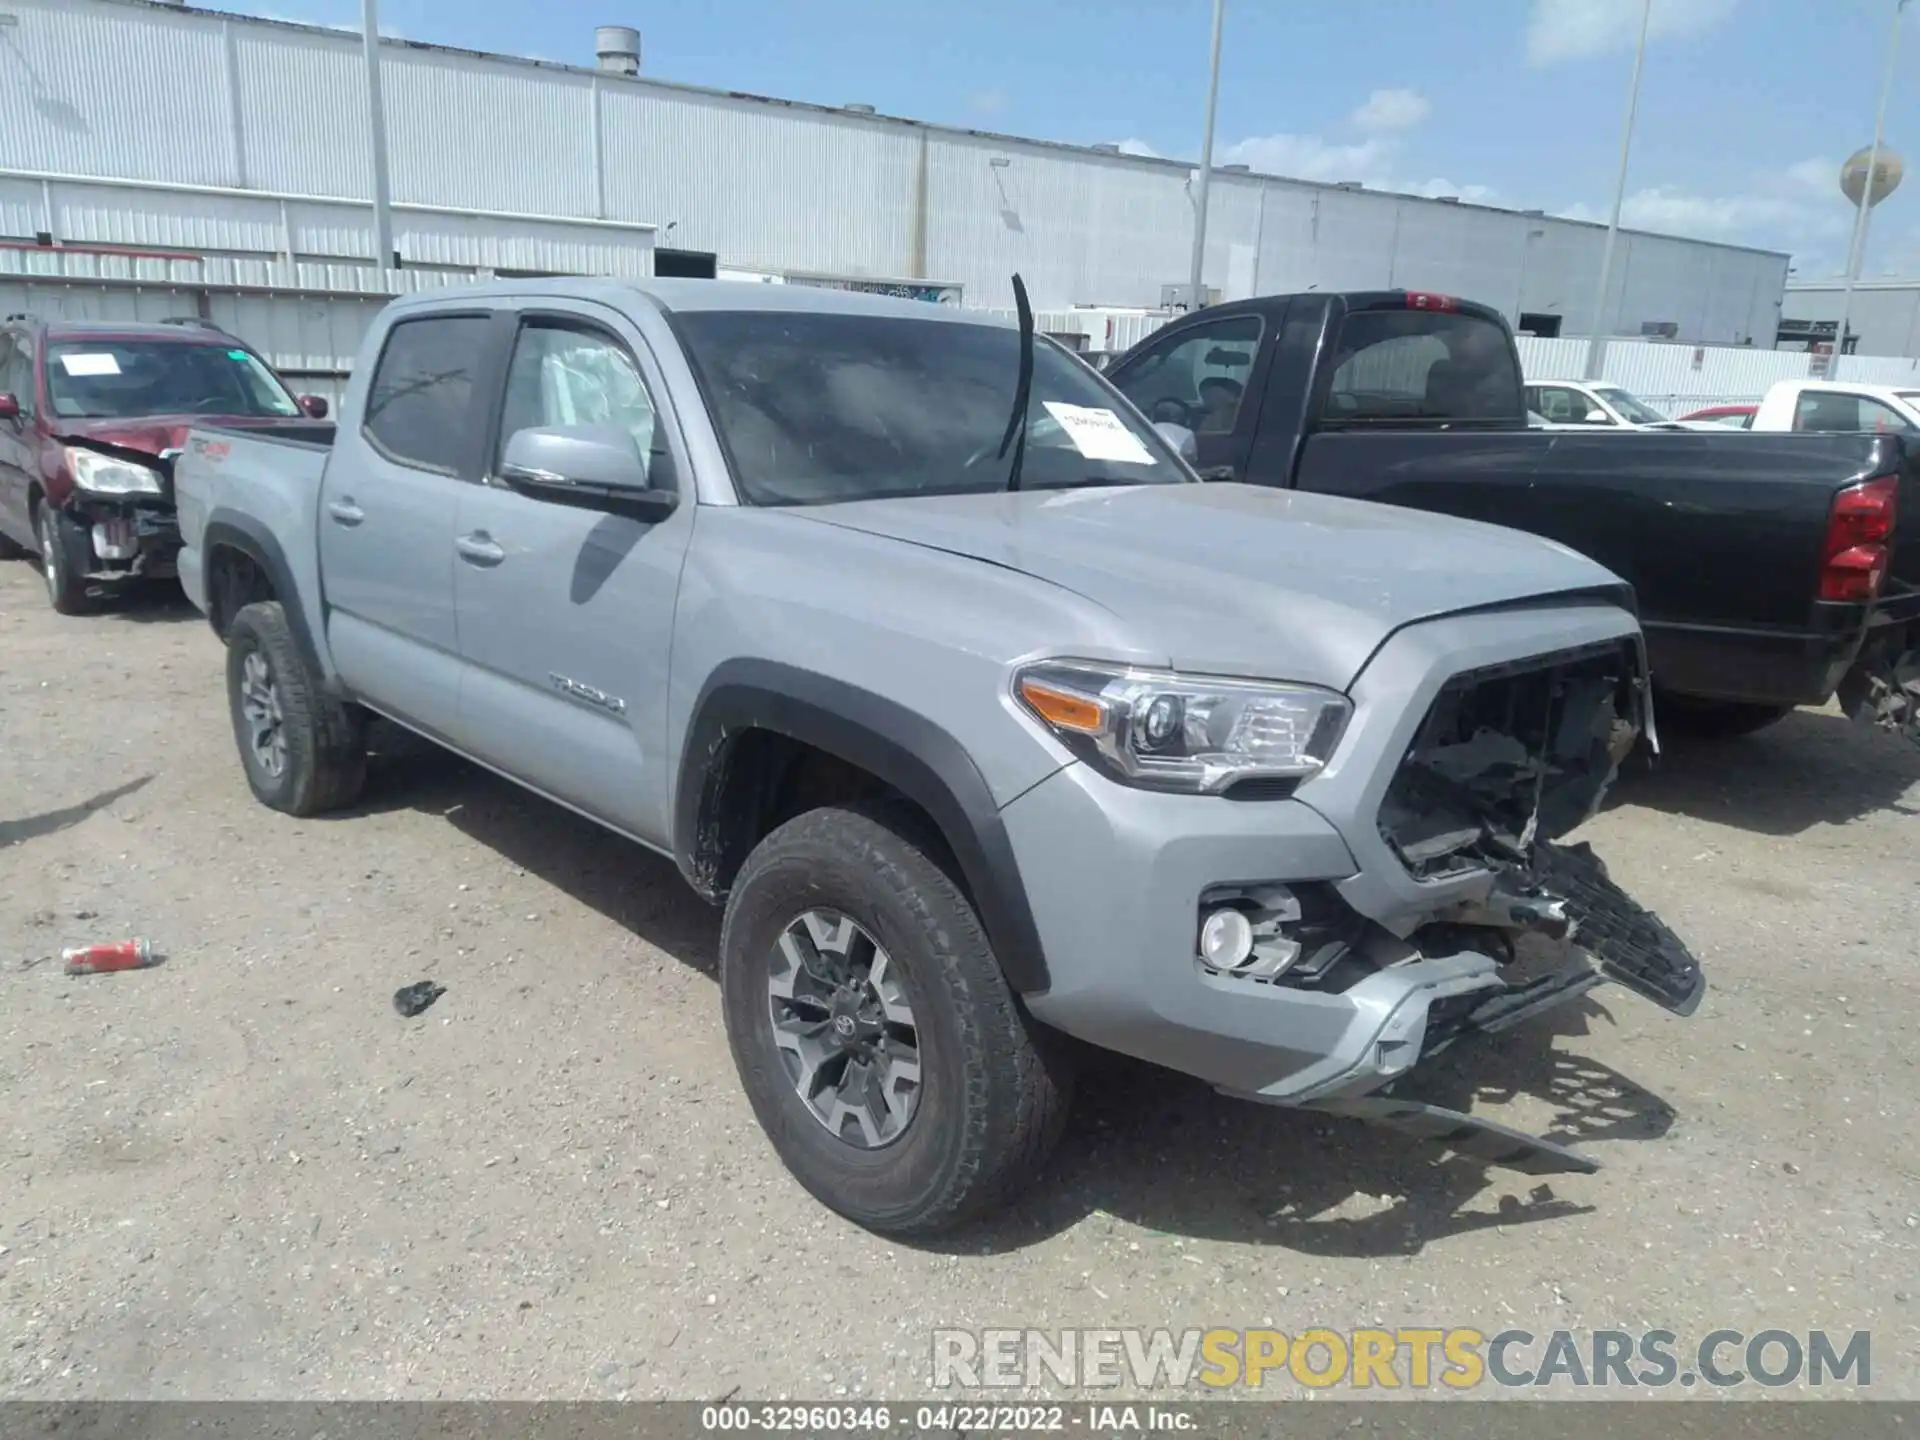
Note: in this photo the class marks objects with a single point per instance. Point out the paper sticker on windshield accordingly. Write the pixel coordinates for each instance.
(1098, 434)
(99, 363)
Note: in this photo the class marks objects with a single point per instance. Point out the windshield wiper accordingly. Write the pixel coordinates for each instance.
(1016, 435)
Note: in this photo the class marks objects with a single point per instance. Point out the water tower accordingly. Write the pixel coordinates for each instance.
(1888, 170)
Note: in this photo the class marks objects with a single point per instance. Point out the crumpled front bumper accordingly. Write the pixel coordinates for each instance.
(1117, 876)
(124, 538)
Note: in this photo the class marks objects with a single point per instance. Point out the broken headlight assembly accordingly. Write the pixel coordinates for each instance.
(1165, 731)
(99, 474)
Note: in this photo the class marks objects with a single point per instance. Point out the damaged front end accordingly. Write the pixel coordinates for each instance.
(118, 516)
(1508, 760)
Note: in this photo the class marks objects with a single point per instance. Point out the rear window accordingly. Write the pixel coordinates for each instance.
(421, 396)
(1422, 365)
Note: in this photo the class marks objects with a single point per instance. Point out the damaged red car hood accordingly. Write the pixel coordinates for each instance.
(157, 434)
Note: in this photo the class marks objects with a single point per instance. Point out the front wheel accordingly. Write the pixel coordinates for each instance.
(65, 551)
(878, 1041)
(304, 751)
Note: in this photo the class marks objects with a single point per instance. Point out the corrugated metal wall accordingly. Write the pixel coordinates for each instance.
(1884, 315)
(257, 106)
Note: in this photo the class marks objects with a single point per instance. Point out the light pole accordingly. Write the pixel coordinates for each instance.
(377, 127)
(1196, 296)
(1596, 339)
(1856, 248)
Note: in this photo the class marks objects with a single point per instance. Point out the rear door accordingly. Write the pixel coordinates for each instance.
(566, 614)
(388, 508)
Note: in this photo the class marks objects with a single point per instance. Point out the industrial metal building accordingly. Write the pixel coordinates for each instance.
(1884, 318)
(144, 124)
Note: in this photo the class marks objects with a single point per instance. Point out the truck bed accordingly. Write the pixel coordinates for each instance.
(1720, 535)
(262, 484)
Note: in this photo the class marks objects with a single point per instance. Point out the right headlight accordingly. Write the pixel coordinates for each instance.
(1166, 731)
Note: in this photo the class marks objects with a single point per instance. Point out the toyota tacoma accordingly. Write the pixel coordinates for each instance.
(918, 647)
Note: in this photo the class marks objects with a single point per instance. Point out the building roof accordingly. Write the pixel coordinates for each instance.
(872, 117)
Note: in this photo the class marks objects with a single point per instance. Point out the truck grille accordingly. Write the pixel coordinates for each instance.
(1510, 756)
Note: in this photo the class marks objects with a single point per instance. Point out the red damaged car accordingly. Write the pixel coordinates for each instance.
(91, 418)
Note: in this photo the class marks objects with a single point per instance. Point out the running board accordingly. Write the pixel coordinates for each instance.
(1484, 1140)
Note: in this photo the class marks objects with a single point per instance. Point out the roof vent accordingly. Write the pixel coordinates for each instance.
(1235, 169)
(1107, 147)
(618, 47)
(858, 108)
(1350, 185)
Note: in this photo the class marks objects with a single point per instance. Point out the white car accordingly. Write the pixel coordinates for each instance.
(1840, 405)
(1586, 404)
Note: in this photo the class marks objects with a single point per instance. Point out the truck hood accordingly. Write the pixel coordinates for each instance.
(1239, 579)
(157, 434)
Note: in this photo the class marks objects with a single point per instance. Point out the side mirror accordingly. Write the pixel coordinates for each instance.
(595, 467)
(314, 406)
(9, 407)
(1597, 416)
(1180, 438)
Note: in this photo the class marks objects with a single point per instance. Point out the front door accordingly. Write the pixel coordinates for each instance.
(566, 614)
(1199, 376)
(388, 509)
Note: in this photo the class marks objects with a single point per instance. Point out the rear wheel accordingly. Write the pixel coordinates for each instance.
(64, 553)
(304, 752)
(878, 1041)
(1716, 719)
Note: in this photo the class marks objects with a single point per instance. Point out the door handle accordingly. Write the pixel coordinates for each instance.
(479, 549)
(345, 512)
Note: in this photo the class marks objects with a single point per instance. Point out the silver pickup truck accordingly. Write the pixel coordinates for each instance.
(911, 641)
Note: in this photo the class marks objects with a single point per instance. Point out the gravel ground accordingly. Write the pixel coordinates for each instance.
(242, 1175)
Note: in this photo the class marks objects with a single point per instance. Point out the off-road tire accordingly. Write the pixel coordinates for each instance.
(995, 1086)
(65, 553)
(1715, 719)
(326, 753)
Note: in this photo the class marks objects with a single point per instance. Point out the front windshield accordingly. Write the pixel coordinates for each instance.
(127, 379)
(819, 408)
(1635, 411)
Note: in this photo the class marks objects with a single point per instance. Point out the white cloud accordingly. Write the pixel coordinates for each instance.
(1138, 147)
(1435, 189)
(1387, 110)
(1373, 162)
(1309, 157)
(1580, 29)
(1797, 209)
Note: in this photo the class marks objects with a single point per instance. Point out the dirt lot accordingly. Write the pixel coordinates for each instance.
(243, 1175)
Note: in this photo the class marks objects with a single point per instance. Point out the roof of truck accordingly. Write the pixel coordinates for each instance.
(683, 296)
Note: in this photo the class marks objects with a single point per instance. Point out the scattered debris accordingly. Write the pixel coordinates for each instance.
(106, 958)
(411, 1000)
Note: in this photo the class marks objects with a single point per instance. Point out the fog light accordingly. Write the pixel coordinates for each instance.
(114, 540)
(1226, 939)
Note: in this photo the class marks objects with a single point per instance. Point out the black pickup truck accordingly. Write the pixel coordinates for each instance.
(1766, 566)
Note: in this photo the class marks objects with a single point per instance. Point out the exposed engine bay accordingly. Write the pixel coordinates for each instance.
(1510, 759)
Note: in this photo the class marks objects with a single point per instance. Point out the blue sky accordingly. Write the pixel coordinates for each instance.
(1747, 107)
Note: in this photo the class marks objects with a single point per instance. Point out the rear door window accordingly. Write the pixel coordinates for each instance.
(1835, 411)
(420, 404)
(1422, 365)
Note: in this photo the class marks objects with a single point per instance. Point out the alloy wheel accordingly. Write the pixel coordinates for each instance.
(844, 1027)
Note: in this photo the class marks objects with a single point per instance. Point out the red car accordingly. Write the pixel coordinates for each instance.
(1734, 417)
(91, 417)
